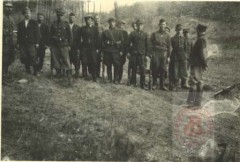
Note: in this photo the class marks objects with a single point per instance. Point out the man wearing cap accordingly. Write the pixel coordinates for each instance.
(178, 60)
(187, 45)
(60, 41)
(161, 43)
(125, 47)
(112, 40)
(7, 43)
(198, 64)
(74, 52)
(28, 38)
(97, 23)
(44, 40)
(88, 41)
(138, 43)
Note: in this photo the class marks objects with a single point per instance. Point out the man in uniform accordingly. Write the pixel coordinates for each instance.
(138, 41)
(43, 44)
(178, 60)
(74, 52)
(161, 43)
(7, 43)
(125, 48)
(60, 41)
(113, 50)
(89, 47)
(28, 38)
(97, 23)
(198, 65)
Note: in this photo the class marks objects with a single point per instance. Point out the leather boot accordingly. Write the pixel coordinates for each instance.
(184, 84)
(191, 96)
(162, 86)
(28, 69)
(142, 82)
(69, 76)
(198, 96)
(58, 73)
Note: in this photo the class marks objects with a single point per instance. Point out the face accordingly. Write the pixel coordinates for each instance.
(89, 21)
(162, 25)
(97, 20)
(72, 19)
(8, 10)
(27, 15)
(40, 18)
(112, 24)
(185, 34)
(134, 26)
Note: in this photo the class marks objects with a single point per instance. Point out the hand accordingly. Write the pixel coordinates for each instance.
(168, 60)
(97, 50)
(121, 53)
(37, 45)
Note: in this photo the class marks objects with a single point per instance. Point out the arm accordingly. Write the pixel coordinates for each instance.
(202, 44)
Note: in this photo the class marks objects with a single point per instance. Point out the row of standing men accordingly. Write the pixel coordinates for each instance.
(91, 44)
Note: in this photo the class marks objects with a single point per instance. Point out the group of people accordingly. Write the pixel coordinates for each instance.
(92, 48)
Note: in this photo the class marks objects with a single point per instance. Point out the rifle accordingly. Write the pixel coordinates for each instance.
(226, 90)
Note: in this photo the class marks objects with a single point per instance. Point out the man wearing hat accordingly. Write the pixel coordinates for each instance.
(28, 38)
(138, 43)
(60, 41)
(44, 40)
(74, 52)
(88, 41)
(120, 24)
(178, 60)
(187, 45)
(161, 43)
(7, 43)
(198, 64)
(100, 28)
(113, 48)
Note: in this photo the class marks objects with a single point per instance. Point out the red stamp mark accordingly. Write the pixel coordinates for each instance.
(192, 128)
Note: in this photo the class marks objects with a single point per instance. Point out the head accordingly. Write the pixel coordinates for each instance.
(40, 17)
(134, 26)
(162, 24)
(185, 32)
(26, 13)
(201, 29)
(178, 28)
(89, 21)
(72, 18)
(139, 25)
(97, 19)
(60, 13)
(112, 22)
(8, 8)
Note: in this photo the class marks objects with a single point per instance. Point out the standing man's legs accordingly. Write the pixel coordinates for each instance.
(155, 70)
(141, 63)
(116, 63)
(122, 62)
(41, 56)
(134, 66)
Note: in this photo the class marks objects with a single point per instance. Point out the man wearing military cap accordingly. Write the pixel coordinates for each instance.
(60, 41)
(138, 43)
(178, 60)
(161, 43)
(88, 41)
(119, 25)
(198, 64)
(113, 48)
(74, 52)
(28, 38)
(7, 43)
(44, 40)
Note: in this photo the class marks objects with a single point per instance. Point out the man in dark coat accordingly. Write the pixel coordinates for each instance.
(7, 41)
(187, 45)
(74, 52)
(113, 50)
(28, 39)
(138, 42)
(198, 64)
(120, 24)
(60, 41)
(44, 40)
(88, 41)
(161, 43)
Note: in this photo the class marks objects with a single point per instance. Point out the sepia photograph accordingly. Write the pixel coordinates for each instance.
(120, 80)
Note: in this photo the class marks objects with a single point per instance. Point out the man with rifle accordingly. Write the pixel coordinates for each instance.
(113, 50)
(138, 42)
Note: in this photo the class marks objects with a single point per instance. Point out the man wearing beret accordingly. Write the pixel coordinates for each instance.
(113, 50)
(138, 42)
(88, 41)
(7, 43)
(161, 43)
(28, 39)
(120, 24)
(44, 40)
(198, 64)
(178, 60)
(74, 52)
(60, 41)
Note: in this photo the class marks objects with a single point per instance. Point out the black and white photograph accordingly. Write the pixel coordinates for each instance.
(120, 80)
